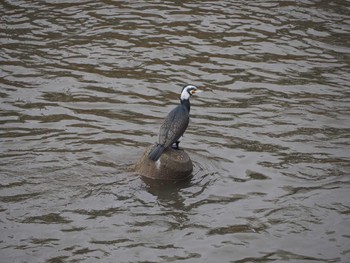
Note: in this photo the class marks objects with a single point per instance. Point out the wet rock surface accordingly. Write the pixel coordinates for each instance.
(172, 165)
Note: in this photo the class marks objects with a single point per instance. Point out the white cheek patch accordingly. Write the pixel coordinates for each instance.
(185, 95)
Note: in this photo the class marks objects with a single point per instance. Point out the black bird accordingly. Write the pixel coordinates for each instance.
(174, 125)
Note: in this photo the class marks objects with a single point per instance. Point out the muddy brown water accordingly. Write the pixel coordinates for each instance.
(84, 86)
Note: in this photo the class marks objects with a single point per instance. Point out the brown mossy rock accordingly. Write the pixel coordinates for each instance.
(172, 165)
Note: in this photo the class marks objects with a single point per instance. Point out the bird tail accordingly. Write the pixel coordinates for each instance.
(156, 152)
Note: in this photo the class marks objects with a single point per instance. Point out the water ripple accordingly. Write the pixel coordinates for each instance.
(84, 86)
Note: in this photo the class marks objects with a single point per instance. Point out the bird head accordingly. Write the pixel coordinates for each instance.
(188, 91)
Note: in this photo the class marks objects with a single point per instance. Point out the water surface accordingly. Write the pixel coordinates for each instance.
(84, 88)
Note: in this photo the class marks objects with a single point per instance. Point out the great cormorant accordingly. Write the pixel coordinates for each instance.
(175, 124)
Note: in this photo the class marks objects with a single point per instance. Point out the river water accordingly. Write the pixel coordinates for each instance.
(85, 85)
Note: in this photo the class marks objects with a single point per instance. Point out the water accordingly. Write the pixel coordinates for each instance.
(85, 85)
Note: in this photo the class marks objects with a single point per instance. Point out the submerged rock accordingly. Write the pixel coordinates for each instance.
(172, 165)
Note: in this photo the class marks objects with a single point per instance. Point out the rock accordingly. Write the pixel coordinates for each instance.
(172, 165)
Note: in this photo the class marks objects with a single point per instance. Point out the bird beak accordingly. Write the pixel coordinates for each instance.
(196, 91)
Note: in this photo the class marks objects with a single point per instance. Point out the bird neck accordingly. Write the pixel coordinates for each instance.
(186, 103)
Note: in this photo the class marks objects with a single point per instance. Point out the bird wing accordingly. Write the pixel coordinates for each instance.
(174, 126)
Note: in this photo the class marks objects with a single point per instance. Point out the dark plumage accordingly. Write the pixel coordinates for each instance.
(174, 125)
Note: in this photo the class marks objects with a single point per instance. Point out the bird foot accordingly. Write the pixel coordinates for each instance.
(175, 146)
